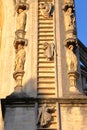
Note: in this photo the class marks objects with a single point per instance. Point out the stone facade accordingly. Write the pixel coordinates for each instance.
(42, 84)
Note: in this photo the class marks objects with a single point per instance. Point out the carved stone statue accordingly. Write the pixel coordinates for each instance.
(20, 59)
(46, 9)
(69, 19)
(21, 18)
(71, 59)
(44, 116)
(49, 50)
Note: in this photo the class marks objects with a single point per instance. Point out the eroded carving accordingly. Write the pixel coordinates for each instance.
(21, 18)
(71, 59)
(49, 50)
(20, 58)
(46, 9)
(19, 65)
(20, 42)
(72, 64)
(69, 19)
(70, 23)
(44, 115)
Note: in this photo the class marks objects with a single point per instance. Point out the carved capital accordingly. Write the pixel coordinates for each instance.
(71, 39)
(68, 4)
(21, 41)
(22, 5)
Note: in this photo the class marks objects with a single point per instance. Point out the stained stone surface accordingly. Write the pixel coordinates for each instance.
(74, 117)
(19, 118)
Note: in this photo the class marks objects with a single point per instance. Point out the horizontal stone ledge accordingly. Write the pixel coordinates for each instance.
(31, 100)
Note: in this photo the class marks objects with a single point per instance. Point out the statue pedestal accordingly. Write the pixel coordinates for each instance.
(73, 76)
(18, 77)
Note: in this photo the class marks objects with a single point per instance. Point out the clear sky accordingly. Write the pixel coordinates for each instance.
(81, 20)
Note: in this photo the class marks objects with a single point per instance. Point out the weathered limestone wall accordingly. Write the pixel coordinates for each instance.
(20, 118)
(73, 116)
(1, 19)
(7, 52)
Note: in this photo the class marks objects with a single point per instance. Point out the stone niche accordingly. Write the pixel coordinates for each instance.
(73, 116)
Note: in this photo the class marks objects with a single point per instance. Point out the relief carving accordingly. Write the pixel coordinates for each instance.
(49, 50)
(44, 115)
(46, 9)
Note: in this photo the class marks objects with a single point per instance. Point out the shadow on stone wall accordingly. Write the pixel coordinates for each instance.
(26, 91)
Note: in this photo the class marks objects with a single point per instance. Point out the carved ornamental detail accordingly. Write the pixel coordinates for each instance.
(72, 65)
(46, 9)
(49, 50)
(70, 22)
(71, 59)
(44, 115)
(20, 42)
(71, 43)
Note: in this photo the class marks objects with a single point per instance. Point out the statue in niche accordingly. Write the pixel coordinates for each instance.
(47, 9)
(49, 50)
(71, 58)
(20, 58)
(44, 115)
(69, 19)
(21, 18)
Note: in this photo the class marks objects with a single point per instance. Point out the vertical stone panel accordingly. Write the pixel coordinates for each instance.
(22, 118)
(30, 76)
(7, 53)
(73, 117)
